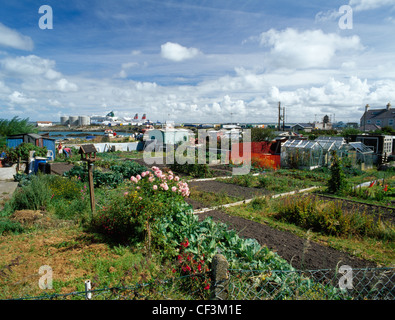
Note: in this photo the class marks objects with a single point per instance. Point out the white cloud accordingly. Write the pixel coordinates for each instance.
(13, 39)
(65, 86)
(293, 49)
(19, 98)
(30, 66)
(362, 5)
(176, 52)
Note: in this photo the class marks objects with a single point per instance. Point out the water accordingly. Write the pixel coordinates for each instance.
(80, 134)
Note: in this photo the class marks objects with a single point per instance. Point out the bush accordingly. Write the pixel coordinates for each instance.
(328, 218)
(128, 169)
(133, 214)
(100, 178)
(194, 170)
(8, 226)
(337, 183)
(23, 150)
(111, 178)
(33, 196)
(69, 199)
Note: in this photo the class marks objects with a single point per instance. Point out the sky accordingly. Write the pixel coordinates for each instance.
(213, 61)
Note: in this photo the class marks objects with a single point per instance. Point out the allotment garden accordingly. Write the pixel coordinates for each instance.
(155, 223)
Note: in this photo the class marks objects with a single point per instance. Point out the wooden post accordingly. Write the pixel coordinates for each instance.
(219, 278)
(88, 154)
(91, 187)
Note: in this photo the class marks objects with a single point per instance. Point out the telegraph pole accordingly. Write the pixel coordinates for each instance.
(279, 115)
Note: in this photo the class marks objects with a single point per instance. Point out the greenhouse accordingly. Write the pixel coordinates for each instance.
(301, 154)
(358, 155)
(306, 154)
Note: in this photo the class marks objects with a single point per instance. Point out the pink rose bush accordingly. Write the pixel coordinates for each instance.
(150, 195)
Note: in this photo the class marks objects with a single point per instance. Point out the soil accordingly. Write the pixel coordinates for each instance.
(229, 189)
(300, 253)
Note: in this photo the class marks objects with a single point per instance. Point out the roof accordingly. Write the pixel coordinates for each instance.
(379, 114)
(360, 147)
(32, 135)
(304, 125)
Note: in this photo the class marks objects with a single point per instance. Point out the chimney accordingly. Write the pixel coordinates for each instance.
(367, 108)
(388, 106)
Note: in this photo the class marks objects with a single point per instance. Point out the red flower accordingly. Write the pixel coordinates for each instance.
(386, 188)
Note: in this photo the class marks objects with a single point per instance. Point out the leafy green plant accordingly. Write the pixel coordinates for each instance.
(34, 196)
(337, 183)
(329, 218)
(9, 226)
(22, 151)
(150, 196)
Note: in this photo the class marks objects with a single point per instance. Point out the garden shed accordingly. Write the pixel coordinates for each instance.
(168, 136)
(38, 140)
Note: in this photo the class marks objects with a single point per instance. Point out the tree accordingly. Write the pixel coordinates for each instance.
(262, 134)
(349, 131)
(15, 126)
(337, 182)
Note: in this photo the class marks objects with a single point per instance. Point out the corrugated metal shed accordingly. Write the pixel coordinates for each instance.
(36, 139)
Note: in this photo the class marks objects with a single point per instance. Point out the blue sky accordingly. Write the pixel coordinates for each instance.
(196, 60)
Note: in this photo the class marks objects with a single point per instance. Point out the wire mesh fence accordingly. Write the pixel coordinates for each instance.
(239, 284)
(346, 284)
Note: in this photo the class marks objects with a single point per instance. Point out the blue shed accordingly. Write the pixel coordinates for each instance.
(36, 139)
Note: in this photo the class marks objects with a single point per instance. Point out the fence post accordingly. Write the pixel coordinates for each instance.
(219, 278)
(88, 287)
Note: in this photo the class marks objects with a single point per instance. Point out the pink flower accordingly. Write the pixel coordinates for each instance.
(151, 179)
(154, 187)
(176, 178)
(138, 177)
(174, 189)
(164, 186)
(125, 193)
(143, 174)
(134, 179)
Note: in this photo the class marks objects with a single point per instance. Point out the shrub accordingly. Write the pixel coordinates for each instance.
(328, 218)
(111, 178)
(149, 197)
(194, 170)
(128, 169)
(9, 226)
(33, 196)
(337, 183)
(194, 270)
(100, 178)
(22, 151)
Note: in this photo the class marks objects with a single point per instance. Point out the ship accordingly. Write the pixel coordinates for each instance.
(111, 120)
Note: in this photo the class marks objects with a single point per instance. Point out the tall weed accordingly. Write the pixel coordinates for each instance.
(329, 218)
(33, 196)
